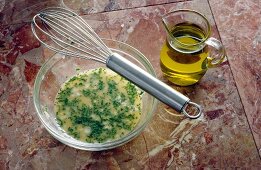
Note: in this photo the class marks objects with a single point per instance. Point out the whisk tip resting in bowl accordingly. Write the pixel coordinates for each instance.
(68, 34)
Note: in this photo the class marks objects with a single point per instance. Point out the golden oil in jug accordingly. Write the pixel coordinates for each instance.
(183, 61)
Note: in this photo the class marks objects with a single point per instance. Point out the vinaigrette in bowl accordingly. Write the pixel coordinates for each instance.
(98, 106)
(102, 132)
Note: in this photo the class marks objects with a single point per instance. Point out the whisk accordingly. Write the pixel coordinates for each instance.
(71, 35)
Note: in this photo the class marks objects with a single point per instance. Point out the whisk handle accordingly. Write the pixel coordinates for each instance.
(152, 85)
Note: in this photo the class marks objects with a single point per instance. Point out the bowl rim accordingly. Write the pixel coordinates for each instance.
(80, 144)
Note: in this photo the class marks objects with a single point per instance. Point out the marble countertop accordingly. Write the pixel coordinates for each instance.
(228, 135)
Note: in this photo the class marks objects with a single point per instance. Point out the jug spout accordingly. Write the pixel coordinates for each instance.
(166, 24)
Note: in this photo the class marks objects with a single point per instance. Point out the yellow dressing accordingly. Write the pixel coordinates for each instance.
(98, 106)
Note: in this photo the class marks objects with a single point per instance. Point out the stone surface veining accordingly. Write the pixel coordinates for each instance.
(242, 37)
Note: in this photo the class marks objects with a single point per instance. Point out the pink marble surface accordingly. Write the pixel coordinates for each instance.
(220, 139)
(86, 6)
(16, 11)
(239, 24)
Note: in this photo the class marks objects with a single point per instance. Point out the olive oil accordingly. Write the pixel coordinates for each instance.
(183, 59)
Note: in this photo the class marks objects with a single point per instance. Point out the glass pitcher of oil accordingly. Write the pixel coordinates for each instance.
(186, 55)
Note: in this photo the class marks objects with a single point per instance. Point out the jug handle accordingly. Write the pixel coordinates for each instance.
(215, 59)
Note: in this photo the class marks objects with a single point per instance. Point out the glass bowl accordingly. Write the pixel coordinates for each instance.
(59, 68)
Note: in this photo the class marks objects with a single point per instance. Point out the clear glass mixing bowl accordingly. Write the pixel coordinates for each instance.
(60, 68)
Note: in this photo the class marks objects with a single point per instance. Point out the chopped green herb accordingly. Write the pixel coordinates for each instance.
(97, 106)
(112, 86)
(101, 85)
(132, 92)
(86, 92)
